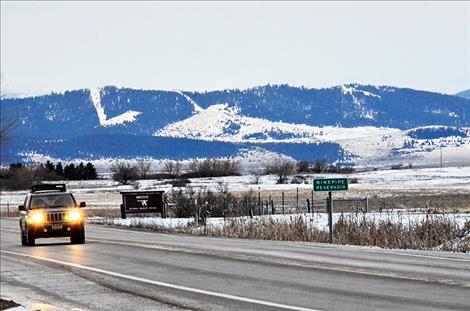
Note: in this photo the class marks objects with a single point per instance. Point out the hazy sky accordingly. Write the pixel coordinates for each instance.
(54, 46)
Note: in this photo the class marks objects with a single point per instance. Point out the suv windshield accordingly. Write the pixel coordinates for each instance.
(52, 200)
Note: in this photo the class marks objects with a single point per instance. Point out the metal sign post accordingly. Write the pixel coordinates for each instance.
(329, 185)
(330, 217)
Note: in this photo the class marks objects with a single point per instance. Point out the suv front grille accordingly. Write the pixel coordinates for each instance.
(55, 217)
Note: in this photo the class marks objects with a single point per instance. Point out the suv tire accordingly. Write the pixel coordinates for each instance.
(24, 239)
(30, 238)
(78, 236)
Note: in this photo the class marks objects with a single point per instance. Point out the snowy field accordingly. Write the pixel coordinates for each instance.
(106, 193)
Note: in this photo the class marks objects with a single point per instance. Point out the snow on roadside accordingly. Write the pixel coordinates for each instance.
(167, 223)
(317, 220)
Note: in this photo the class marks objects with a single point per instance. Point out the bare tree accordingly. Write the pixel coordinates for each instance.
(282, 168)
(168, 167)
(143, 168)
(124, 172)
(256, 173)
(320, 166)
(7, 124)
(178, 168)
(173, 167)
(193, 166)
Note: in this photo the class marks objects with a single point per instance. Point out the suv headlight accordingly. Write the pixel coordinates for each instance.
(37, 217)
(74, 215)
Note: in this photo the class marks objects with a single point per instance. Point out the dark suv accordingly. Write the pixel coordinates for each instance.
(50, 211)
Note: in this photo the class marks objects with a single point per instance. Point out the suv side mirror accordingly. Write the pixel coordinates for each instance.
(21, 208)
(82, 204)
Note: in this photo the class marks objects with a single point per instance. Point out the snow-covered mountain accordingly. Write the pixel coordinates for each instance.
(367, 144)
(223, 122)
(464, 94)
(368, 125)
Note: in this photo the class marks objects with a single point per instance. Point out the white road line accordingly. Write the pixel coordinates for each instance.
(427, 256)
(168, 285)
(133, 231)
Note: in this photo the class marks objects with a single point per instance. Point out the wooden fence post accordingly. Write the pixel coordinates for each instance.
(283, 208)
(297, 201)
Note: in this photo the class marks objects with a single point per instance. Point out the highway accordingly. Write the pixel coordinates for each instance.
(131, 270)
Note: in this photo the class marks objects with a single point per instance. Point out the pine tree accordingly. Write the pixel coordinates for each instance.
(49, 166)
(80, 172)
(59, 169)
(70, 171)
(90, 171)
(16, 166)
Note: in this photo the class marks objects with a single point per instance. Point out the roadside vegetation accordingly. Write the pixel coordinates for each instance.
(434, 232)
(220, 213)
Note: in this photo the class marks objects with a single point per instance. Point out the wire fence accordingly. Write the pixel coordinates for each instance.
(205, 203)
(225, 204)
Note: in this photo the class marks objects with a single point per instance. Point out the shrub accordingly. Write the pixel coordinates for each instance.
(302, 167)
(299, 179)
(339, 170)
(180, 182)
(212, 168)
(397, 166)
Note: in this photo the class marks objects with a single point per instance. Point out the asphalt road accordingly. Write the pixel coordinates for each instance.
(118, 269)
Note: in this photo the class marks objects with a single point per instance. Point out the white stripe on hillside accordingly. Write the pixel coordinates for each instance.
(128, 116)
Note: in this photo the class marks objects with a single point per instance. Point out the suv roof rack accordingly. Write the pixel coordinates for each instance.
(48, 187)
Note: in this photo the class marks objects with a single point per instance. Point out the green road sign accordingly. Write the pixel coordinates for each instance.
(330, 184)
